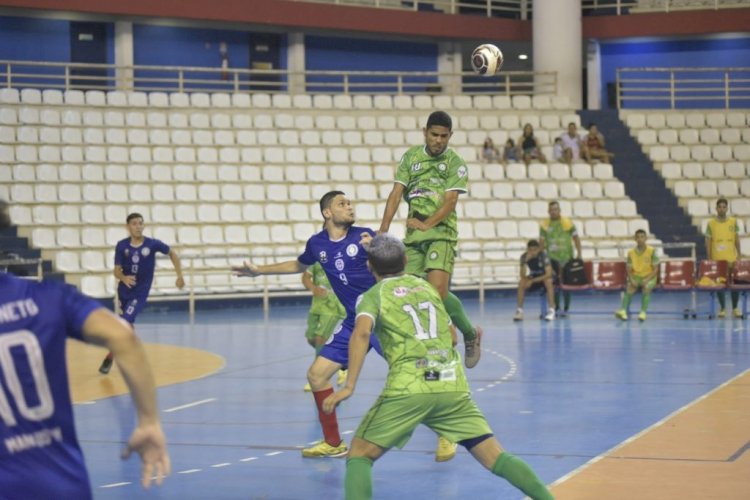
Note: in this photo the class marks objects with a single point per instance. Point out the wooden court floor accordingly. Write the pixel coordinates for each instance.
(599, 408)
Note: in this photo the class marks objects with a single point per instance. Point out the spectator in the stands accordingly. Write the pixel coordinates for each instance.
(595, 145)
(557, 150)
(574, 148)
(528, 146)
(510, 153)
(490, 153)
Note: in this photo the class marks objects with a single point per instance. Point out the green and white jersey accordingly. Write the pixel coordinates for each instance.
(412, 326)
(558, 238)
(426, 179)
(330, 303)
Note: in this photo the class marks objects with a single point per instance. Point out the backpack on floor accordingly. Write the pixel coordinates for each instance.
(573, 273)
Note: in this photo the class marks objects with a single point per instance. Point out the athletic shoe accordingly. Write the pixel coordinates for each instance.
(445, 450)
(341, 379)
(519, 315)
(722, 314)
(737, 313)
(550, 315)
(307, 387)
(622, 314)
(106, 366)
(642, 316)
(472, 351)
(323, 449)
(562, 314)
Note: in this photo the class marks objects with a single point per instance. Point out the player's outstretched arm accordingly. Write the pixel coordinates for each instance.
(104, 328)
(286, 267)
(391, 206)
(358, 345)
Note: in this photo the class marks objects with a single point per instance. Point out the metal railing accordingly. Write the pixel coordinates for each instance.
(67, 76)
(10, 264)
(521, 9)
(675, 88)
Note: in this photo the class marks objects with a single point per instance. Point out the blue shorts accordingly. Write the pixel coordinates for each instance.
(130, 307)
(337, 347)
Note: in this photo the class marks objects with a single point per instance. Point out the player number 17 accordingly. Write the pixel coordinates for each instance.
(420, 332)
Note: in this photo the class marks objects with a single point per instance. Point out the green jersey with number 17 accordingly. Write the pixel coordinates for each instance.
(426, 179)
(412, 326)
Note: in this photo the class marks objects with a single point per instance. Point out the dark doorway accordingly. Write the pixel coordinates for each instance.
(265, 54)
(88, 45)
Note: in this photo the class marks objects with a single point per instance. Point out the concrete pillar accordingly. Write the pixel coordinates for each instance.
(593, 76)
(124, 54)
(449, 67)
(296, 62)
(557, 42)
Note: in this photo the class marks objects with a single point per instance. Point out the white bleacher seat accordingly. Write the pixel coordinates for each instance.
(722, 152)
(340, 101)
(189, 235)
(31, 96)
(614, 189)
(730, 135)
(521, 102)
(713, 170)
(538, 209)
(625, 208)
(647, 137)
(709, 136)
(525, 191)
(518, 209)
(422, 102)
(515, 171)
(559, 171)
(235, 234)
(185, 213)
(9, 96)
(94, 286)
(595, 228)
(68, 237)
(21, 215)
(94, 261)
(671, 170)
(158, 99)
(617, 228)
(735, 119)
(603, 171)
(93, 237)
(186, 192)
(502, 190)
(93, 214)
(509, 122)
(583, 209)
(26, 154)
(684, 188)
(137, 99)
(678, 153)
(591, 189)
(698, 207)
(741, 152)
(8, 116)
(728, 188)
(635, 121)
(667, 136)
(675, 120)
(581, 171)
(735, 170)
(716, 120)
(604, 208)
(44, 215)
(695, 120)
(117, 214)
(656, 120)
(322, 101)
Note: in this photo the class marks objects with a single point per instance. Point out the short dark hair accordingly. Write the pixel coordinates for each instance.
(553, 202)
(4, 215)
(641, 231)
(386, 255)
(440, 119)
(532, 244)
(134, 215)
(722, 200)
(327, 199)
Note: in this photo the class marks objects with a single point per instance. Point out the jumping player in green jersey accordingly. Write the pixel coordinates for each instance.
(557, 235)
(326, 311)
(430, 177)
(425, 383)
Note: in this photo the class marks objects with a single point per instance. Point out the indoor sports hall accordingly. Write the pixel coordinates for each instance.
(223, 123)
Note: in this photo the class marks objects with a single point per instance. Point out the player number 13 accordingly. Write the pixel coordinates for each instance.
(420, 332)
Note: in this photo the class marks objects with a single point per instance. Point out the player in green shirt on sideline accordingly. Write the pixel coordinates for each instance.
(425, 383)
(430, 177)
(326, 311)
(557, 235)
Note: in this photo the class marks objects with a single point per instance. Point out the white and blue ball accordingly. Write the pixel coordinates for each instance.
(487, 59)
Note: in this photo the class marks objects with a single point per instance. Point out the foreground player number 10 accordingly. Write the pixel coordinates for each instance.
(26, 340)
(421, 333)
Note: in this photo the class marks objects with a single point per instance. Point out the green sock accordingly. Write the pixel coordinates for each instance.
(566, 298)
(645, 301)
(456, 311)
(557, 299)
(626, 301)
(735, 299)
(519, 474)
(358, 481)
(722, 299)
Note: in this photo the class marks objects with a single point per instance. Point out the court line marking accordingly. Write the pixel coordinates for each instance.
(188, 471)
(115, 485)
(189, 405)
(645, 431)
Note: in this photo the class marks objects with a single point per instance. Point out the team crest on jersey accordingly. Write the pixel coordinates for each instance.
(136, 258)
(416, 167)
(462, 171)
(323, 257)
(442, 167)
(127, 252)
(146, 252)
(433, 255)
(400, 291)
(352, 250)
(339, 264)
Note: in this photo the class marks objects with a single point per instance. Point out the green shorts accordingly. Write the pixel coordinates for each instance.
(321, 325)
(392, 420)
(639, 283)
(425, 256)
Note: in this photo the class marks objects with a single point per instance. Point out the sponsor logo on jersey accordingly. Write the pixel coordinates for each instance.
(352, 250)
(420, 193)
(462, 171)
(339, 264)
(127, 252)
(400, 291)
(416, 167)
(146, 252)
(323, 257)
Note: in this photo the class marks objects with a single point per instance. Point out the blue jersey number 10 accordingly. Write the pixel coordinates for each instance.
(45, 407)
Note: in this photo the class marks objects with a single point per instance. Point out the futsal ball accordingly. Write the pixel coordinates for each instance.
(486, 59)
